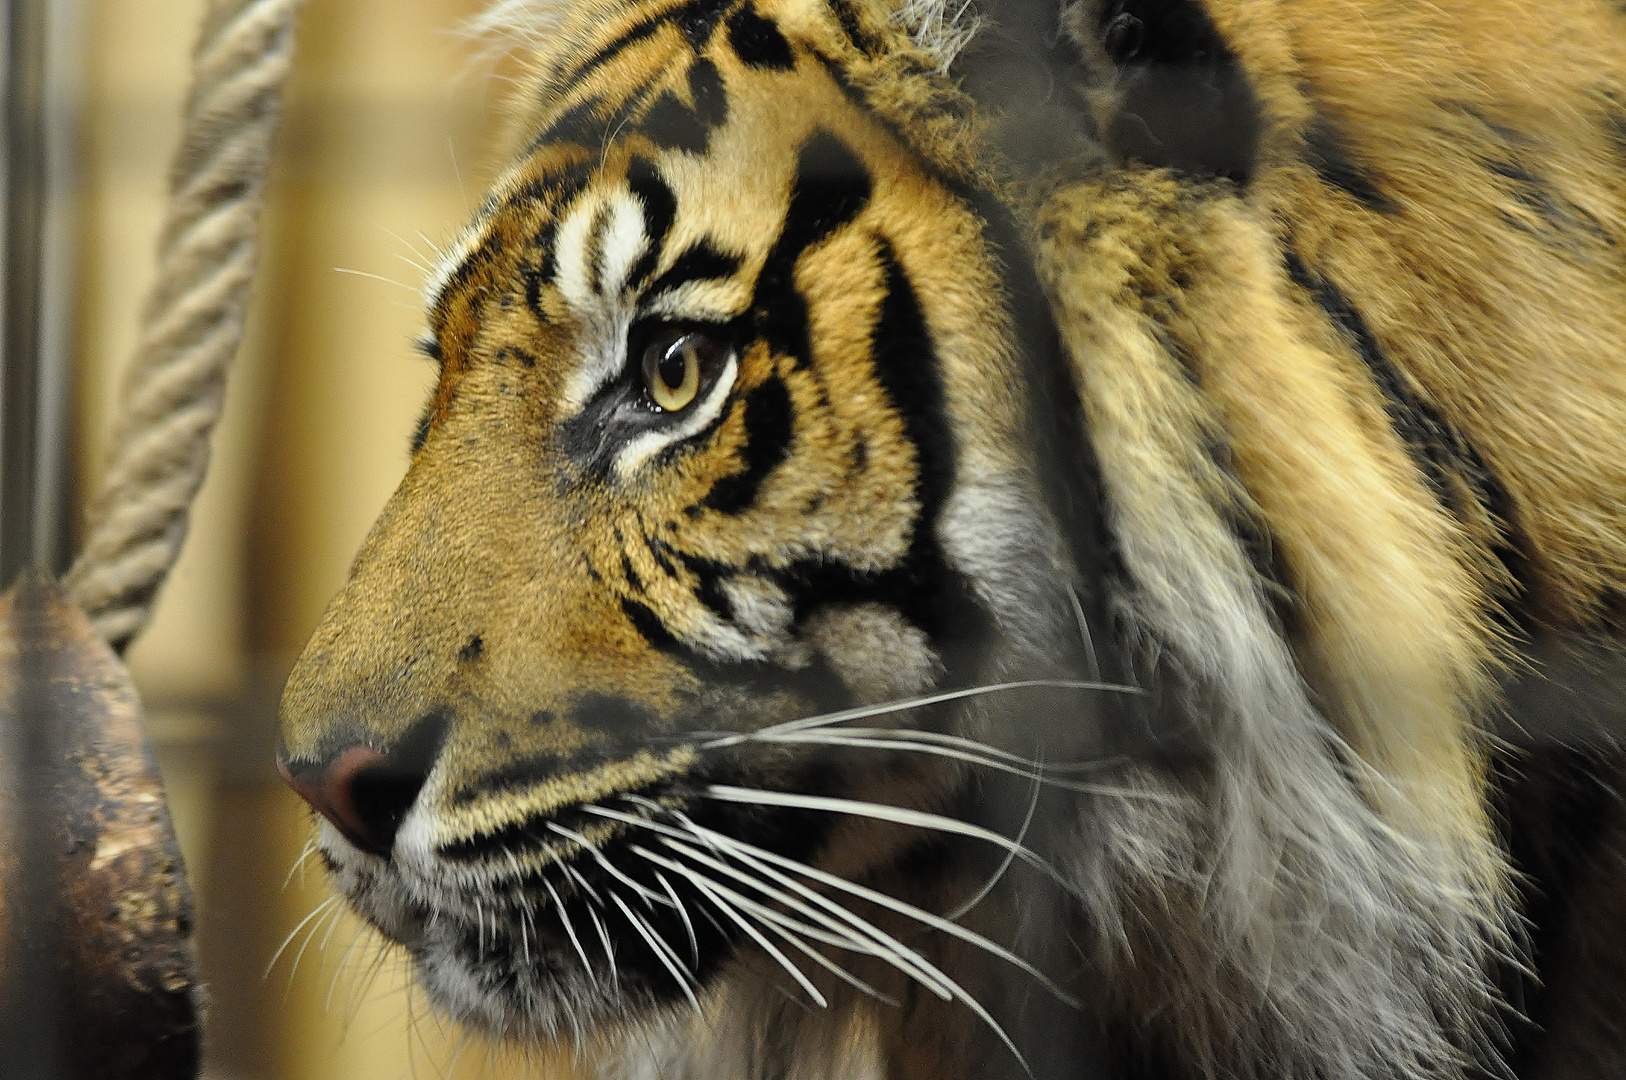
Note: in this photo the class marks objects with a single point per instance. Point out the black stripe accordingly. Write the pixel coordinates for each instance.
(847, 16)
(707, 92)
(709, 576)
(634, 34)
(758, 42)
(594, 249)
(770, 429)
(659, 550)
(672, 125)
(700, 262)
(649, 625)
(1448, 464)
(699, 18)
(660, 210)
(1324, 150)
(831, 188)
(906, 365)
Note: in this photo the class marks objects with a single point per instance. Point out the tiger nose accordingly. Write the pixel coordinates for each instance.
(366, 793)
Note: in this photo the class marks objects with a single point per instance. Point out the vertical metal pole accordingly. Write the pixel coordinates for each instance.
(58, 293)
(29, 1000)
(23, 224)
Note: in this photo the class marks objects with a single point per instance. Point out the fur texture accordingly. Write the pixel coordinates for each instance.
(1197, 402)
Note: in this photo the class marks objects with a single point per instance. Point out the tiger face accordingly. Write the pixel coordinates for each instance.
(727, 436)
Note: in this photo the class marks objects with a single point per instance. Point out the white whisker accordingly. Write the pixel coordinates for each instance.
(592, 893)
(570, 930)
(609, 867)
(912, 742)
(315, 912)
(609, 950)
(334, 913)
(894, 904)
(959, 992)
(1004, 866)
(683, 913)
(881, 812)
(338, 969)
(663, 952)
(711, 893)
(306, 852)
(374, 277)
(906, 704)
(885, 947)
(787, 928)
(1083, 629)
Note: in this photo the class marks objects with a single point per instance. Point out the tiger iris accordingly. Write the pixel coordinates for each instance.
(979, 542)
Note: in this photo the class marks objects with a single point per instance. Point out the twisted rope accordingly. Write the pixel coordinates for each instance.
(193, 324)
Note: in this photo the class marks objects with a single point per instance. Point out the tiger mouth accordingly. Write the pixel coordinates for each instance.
(563, 923)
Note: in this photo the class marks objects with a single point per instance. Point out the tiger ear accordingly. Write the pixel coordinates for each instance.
(1165, 87)
(1030, 81)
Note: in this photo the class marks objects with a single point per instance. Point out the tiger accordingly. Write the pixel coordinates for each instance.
(1009, 539)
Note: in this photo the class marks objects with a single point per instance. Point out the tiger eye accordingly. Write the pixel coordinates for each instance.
(672, 372)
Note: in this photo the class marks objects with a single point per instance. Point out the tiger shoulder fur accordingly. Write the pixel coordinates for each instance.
(984, 542)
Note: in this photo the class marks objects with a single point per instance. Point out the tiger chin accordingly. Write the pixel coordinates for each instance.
(978, 542)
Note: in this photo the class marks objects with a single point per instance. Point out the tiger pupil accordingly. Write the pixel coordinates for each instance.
(674, 366)
(672, 372)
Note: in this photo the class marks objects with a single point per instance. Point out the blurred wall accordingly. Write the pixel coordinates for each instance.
(386, 124)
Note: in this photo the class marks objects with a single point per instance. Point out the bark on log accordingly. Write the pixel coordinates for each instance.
(97, 977)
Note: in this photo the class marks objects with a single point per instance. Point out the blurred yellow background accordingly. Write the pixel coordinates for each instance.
(388, 123)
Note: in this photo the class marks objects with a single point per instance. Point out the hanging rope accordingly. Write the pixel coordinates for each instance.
(175, 387)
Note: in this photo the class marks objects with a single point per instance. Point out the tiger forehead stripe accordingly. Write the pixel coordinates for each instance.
(592, 120)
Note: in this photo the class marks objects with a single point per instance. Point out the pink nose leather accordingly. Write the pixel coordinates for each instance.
(331, 790)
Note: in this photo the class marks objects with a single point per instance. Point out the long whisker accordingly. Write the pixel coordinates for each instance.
(881, 812)
(570, 930)
(888, 739)
(711, 893)
(646, 893)
(884, 947)
(954, 742)
(1083, 627)
(837, 935)
(892, 903)
(1005, 864)
(788, 929)
(906, 704)
(315, 912)
(683, 913)
(306, 852)
(609, 950)
(374, 277)
(332, 913)
(338, 969)
(959, 992)
(592, 893)
(660, 949)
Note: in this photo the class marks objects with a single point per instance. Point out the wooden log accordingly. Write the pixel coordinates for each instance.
(97, 976)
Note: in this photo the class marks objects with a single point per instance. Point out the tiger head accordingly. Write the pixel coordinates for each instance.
(833, 456)
(729, 437)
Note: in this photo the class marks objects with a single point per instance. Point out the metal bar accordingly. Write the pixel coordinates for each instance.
(24, 192)
(29, 999)
(58, 273)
